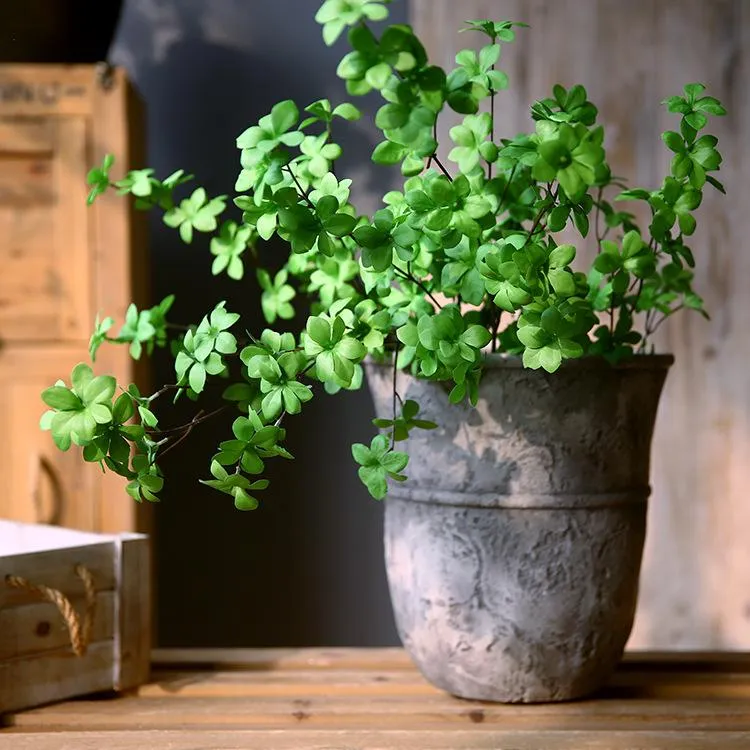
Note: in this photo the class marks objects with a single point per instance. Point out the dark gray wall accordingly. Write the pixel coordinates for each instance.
(306, 568)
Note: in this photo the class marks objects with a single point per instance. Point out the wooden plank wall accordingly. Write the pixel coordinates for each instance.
(630, 55)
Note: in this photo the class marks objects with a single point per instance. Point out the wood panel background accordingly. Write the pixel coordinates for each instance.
(63, 262)
(695, 590)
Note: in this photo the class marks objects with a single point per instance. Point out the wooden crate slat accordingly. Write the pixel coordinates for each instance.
(56, 569)
(35, 629)
(27, 135)
(49, 90)
(38, 679)
(134, 625)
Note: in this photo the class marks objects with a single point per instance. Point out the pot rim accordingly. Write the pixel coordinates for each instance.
(499, 361)
(636, 362)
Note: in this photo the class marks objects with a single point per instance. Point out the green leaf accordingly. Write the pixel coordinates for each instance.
(340, 224)
(369, 237)
(319, 330)
(197, 377)
(60, 397)
(550, 358)
(378, 75)
(558, 218)
(674, 141)
(347, 111)
(283, 116)
(99, 390)
(394, 461)
(562, 256)
(606, 263)
(562, 282)
(388, 152)
(532, 337)
(123, 409)
(476, 336)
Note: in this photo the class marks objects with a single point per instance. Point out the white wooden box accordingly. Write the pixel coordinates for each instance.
(38, 663)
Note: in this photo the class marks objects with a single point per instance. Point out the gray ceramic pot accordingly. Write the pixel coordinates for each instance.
(513, 551)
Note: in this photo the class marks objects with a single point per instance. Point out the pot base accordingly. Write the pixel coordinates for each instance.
(514, 605)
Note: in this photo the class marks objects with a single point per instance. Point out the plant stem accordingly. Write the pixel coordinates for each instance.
(507, 186)
(599, 236)
(162, 391)
(664, 317)
(441, 166)
(197, 419)
(182, 437)
(542, 211)
(410, 277)
(495, 329)
(492, 125)
(434, 135)
(395, 371)
(301, 190)
(329, 132)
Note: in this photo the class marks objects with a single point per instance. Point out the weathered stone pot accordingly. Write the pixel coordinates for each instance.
(513, 551)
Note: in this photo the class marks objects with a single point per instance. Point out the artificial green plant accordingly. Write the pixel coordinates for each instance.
(463, 260)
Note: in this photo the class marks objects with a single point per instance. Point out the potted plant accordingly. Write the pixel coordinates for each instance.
(523, 388)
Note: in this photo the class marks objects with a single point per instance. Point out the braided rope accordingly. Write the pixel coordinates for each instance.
(79, 629)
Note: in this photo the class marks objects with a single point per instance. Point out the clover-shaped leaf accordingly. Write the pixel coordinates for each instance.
(335, 353)
(76, 412)
(195, 212)
(137, 329)
(228, 248)
(99, 336)
(277, 295)
(336, 15)
(377, 463)
(139, 182)
(407, 421)
(471, 142)
(98, 178)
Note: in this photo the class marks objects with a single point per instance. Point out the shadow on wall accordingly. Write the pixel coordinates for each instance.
(305, 569)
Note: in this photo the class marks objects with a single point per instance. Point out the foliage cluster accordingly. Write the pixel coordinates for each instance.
(465, 259)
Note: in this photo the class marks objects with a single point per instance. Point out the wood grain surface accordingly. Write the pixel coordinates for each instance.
(367, 699)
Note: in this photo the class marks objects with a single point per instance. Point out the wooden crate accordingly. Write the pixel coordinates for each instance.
(94, 637)
(63, 262)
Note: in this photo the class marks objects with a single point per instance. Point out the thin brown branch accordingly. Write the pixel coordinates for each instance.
(163, 390)
(507, 186)
(395, 372)
(182, 437)
(599, 235)
(197, 419)
(441, 166)
(663, 318)
(495, 329)
(303, 193)
(542, 211)
(413, 279)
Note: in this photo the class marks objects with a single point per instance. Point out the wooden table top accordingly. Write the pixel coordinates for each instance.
(374, 699)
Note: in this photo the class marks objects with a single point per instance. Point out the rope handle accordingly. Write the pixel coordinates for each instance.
(79, 629)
